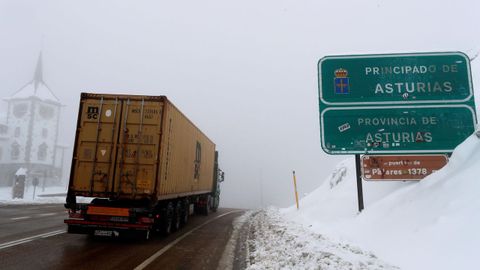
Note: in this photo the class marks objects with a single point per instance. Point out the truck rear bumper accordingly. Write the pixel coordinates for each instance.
(108, 229)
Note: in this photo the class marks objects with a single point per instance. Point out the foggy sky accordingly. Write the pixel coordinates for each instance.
(243, 71)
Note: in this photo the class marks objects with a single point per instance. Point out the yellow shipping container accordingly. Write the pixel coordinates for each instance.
(138, 147)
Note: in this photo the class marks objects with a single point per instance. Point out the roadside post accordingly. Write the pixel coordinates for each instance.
(394, 104)
(35, 184)
(359, 183)
(295, 188)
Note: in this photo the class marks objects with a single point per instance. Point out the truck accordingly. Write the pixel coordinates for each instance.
(139, 166)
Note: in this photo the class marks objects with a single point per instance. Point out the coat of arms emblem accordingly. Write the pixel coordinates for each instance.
(340, 81)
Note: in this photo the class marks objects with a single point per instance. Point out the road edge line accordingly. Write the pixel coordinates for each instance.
(167, 247)
(228, 256)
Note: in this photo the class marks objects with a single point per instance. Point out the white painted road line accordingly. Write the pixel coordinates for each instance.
(42, 207)
(163, 250)
(47, 214)
(38, 215)
(53, 233)
(29, 239)
(20, 218)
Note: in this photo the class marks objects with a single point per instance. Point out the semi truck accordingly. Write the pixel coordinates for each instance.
(141, 164)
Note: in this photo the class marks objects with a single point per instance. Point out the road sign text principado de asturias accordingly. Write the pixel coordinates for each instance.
(397, 103)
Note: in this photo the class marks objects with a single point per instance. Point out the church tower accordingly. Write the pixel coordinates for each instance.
(33, 124)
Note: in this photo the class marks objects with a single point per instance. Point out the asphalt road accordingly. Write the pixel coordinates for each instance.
(33, 237)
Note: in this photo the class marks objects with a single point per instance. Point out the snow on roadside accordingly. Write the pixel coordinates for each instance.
(55, 195)
(278, 244)
(234, 255)
(431, 224)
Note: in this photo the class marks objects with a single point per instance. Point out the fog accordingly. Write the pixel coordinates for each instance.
(243, 71)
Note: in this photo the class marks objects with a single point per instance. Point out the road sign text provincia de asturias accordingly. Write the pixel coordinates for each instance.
(400, 103)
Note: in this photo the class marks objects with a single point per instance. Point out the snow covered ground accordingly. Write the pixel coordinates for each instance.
(47, 196)
(276, 244)
(431, 224)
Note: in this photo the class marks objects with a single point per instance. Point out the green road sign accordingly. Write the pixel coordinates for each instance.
(395, 129)
(421, 78)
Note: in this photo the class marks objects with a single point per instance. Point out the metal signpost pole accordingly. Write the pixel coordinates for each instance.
(359, 183)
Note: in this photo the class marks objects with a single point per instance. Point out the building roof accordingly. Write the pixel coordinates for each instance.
(37, 86)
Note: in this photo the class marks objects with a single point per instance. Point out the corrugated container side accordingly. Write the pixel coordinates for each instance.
(187, 157)
(137, 157)
(112, 157)
(138, 147)
(95, 145)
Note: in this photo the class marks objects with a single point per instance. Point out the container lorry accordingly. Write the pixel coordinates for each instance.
(144, 163)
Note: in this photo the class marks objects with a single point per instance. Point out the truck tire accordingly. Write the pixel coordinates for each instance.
(185, 211)
(177, 216)
(167, 221)
(206, 209)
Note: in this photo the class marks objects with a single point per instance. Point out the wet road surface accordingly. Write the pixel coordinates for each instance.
(33, 237)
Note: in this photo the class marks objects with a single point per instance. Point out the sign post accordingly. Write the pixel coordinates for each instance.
(359, 183)
(417, 103)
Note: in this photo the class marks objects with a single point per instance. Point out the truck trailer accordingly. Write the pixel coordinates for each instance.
(144, 163)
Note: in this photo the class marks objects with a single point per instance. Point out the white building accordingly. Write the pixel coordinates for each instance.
(3, 137)
(29, 134)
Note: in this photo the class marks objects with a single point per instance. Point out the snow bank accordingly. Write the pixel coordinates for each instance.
(276, 244)
(431, 224)
(48, 196)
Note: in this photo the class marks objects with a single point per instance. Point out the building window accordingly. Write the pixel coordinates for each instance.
(46, 112)
(15, 154)
(17, 132)
(44, 133)
(3, 129)
(20, 110)
(1, 153)
(198, 159)
(42, 152)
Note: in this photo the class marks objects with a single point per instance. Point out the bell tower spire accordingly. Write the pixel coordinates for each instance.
(37, 86)
(38, 77)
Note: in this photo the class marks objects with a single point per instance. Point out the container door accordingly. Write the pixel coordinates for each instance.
(138, 149)
(96, 143)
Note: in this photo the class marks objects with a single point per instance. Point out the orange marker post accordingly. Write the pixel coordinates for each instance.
(295, 187)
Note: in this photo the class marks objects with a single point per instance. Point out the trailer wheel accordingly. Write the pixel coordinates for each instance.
(177, 216)
(185, 211)
(167, 221)
(206, 209)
